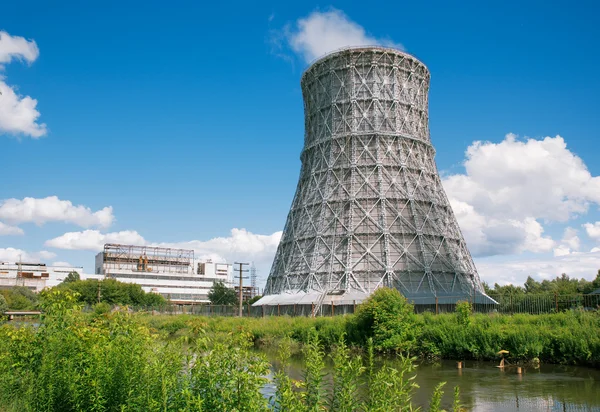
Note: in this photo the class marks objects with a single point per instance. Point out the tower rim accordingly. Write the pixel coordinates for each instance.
(341, 50)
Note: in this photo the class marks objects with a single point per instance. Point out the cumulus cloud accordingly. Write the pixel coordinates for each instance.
(53, 209)
(322, 32)
(510, 187)
(13, 255)
(240, 245)
(18, 114)
(575, 264)
(6, 230)
(593, 230)
(94, 240)
(569, 243)
(61, 263)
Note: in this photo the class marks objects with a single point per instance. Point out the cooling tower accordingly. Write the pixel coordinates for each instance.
(369, 209)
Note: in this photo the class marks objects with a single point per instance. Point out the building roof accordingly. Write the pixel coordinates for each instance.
(596, 292)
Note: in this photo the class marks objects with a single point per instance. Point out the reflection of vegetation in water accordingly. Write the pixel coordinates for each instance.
(114, 362)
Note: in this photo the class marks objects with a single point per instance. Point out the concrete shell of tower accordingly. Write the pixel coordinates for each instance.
(369, 209)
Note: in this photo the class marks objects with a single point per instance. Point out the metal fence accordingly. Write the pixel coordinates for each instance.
(506, 304)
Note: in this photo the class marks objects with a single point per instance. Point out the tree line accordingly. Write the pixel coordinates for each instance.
(561, 285)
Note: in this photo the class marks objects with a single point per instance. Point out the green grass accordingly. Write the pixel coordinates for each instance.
(564, 338)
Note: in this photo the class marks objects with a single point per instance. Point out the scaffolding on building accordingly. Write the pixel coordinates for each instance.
(118, 257)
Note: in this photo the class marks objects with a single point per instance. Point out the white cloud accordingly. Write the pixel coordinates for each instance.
(570, 243)
(575, 264)
(15, 47)
(509, 187)
(324, 32)
(18, 114)
(61, 263)
(94, 240)
(10, 230)
(241, 245)
(593, 230)
(13, 255)
(52, 209)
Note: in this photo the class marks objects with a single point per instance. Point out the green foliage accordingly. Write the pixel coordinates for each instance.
(314, 395)
(101, 308)
(389, 319)
(112, 292)
(72, 277)
(436, 399)
(3, 304)
(456, 405)
(20, 298)
(254, 299)
(220, 294)
(463, 313)
(347, 371)
(561, 285)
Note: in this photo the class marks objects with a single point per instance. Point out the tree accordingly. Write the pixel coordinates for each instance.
(222, 295)
(254, 299)
(72, 277)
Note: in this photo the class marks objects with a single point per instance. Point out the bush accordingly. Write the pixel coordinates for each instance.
(20, 298)
(3, 304)
(389, 319)
(463, 313)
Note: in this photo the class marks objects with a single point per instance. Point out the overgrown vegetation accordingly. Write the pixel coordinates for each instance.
(570, 337)
(111, 292)
(19, 298)
(75, 361)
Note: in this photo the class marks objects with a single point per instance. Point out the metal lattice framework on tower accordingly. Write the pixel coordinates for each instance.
(369, 209)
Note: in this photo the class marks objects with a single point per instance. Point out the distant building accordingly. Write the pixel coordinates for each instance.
(172, 273)
(248, 292)
(596, 292)
(35, 276)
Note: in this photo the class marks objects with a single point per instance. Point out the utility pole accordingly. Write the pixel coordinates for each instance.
(241, 271)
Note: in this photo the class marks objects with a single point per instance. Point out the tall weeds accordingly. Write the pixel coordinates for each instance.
(115, 362)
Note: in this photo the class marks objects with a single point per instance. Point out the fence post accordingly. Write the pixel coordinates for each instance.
(278, 309)
(556, 301)
(437, 311)
(294, 309)
(511, 305)
(332, 310)
(354, 306)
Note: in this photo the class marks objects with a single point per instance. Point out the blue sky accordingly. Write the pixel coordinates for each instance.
(185, 120)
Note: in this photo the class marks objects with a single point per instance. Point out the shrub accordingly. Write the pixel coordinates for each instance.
(3, 304)
(463, 313)
(389, 319)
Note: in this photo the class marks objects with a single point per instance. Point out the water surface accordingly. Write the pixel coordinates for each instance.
(484, 387)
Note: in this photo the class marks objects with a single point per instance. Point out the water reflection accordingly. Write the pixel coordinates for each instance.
(484, 387)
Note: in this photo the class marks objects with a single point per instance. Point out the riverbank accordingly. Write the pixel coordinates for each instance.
(571, 338)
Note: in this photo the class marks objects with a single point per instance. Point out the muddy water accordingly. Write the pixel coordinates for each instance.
(484, 387)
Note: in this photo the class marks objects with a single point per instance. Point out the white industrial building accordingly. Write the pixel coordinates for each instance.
(173, 273)
(36, 276)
